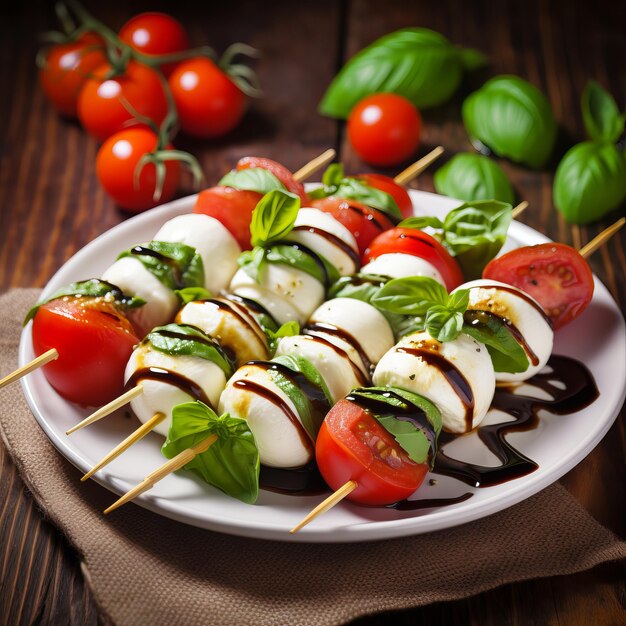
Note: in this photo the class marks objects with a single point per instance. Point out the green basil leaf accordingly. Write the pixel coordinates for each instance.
(416, 63)
(185, 340)
(407, 325)
(252, 179)
(288, 329)
(421, 222)
(333, 175)
(354, 189)
(273, 217)
(474, 233)
(231, 464)
(304, 260)
(506, 353)
(602, 118)
(442, 323)
(174, 264)
(412, 440)
(590, 181)
(411, 296)
(307, 369)
(252, 262)
(92, 288)
(458, 300)
(473, 177)
(191, 294)
(513, 118)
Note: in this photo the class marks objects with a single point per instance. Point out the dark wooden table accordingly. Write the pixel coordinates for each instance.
(51, 205)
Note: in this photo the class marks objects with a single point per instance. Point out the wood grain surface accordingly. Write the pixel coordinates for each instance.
(51, 205)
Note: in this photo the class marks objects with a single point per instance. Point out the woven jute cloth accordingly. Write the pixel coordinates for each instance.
(146, 569)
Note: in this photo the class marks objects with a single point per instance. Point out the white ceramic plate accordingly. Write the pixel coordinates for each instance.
(598, 338)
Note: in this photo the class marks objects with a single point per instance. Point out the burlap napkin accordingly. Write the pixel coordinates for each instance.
(145, 569)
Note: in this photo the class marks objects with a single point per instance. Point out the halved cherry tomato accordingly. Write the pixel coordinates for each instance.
(101, 107)
(364, 222)
(94, 341)
(388, 185)
(352, 445)
(67, 67)
(555, 274)
(279, 170)
(420, 244)
(155, 33)
(116, 164)
(232, 207)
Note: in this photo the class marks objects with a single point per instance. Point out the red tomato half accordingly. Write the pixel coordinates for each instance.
(100, 103)
(352, 445)
(388, 185)
(67, 68)
(155, 34)
(556, 275)
(364, 222)
(94, 341)
(232, 207)
(280, 171)
(116, 164)
(420, 244)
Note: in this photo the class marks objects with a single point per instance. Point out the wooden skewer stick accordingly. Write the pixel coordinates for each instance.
(327, 504)
(312, 166)
(107, 409)
(519, 209)
(414, 170)
(600, 239)
(180, 460)
(42, 359)
(140, 433)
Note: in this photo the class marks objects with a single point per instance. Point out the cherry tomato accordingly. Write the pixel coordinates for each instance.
(364, 222)
(352, 445)
(232, 207)
(94, 341)
(100, 103)
(388, 185)
(155, 33)
(116, 163)
(279, 170)
(384, 129)
(209, 103)
(67, 68)
(420, 244)
(556, 275)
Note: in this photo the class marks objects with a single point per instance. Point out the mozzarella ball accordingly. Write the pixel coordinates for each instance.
(401, 265)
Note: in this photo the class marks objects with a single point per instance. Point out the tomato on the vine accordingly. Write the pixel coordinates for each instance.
(155, 33)
(208, 102)
(279, 170)
(116, 164)
(101, 102)
(353, 445)
(67, 67)
(388, 185)
(94, 341)
(555, 274)
(384, 129)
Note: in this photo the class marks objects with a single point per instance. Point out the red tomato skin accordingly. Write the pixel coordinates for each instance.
(388, 185)
(232, 207)
(361, 220)
(420, 244)
(280, 171)
(341, 458)
(94, 342)
(155, 33)
(115, 166)
(100, 107)
(208, 102)
(384, 129)
(68, 67)
(555, 274)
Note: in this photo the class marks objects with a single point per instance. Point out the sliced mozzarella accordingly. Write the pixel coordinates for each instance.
(286, 293)
(316, 230)
(442, 372)
(366, 326)
(401, 265)
(524, 313)
(334, 359)
(279, 440)
(132, 277)
(158, 396)
(213, 242)
(234, 327)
